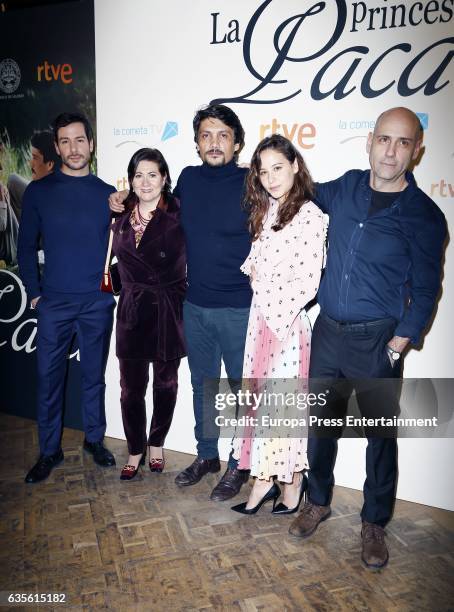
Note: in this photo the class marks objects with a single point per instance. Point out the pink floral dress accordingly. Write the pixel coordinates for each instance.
(285, 267)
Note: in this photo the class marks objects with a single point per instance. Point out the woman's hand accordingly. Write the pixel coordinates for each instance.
(252, 274)
(116, 200)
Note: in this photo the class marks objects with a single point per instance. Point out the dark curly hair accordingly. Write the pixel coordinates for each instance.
(153, 155)
(224, 114)
(257, 198)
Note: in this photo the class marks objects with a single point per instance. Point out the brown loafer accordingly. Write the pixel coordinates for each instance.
(374, 551)
(229, 485)
(309, 519)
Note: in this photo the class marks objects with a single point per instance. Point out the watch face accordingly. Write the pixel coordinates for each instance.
(395, 356)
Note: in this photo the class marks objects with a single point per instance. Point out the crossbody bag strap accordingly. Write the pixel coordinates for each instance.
(109, 255)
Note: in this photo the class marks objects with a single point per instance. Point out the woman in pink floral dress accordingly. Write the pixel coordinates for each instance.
(285, 263)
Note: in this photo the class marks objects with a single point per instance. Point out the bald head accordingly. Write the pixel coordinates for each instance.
(401, 114)
(393, 147)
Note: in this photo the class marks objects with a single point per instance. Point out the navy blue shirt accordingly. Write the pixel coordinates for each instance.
(71, 214)
(216, 232)
(384, 265)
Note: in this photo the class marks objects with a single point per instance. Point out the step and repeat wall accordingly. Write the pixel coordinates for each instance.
(317, 72)
(46, 67)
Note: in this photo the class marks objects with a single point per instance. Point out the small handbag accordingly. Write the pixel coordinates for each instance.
(111, 281)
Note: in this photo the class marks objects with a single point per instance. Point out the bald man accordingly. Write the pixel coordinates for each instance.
(377, 295)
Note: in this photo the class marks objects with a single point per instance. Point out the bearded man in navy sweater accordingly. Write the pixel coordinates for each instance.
(69, 211)
(218, 298)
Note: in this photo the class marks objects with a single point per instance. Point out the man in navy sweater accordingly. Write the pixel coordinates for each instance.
(218, 298)
(377, 296)
(68, 209)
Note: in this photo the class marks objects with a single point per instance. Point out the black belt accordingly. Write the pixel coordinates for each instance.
(348, 325)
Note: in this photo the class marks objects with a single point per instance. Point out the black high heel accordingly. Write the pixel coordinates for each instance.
(282, 508)
(273, 494)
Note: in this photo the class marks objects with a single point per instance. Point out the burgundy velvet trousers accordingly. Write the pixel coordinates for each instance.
(134, 382)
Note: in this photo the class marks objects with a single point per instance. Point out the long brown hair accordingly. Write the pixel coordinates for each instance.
(257, 198)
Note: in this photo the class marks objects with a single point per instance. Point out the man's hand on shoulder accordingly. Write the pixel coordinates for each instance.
(116, 200)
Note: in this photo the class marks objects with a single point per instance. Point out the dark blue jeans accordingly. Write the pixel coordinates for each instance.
(213, 334)
(343, 357)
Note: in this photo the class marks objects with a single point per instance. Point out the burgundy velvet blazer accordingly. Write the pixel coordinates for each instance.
(153, 276)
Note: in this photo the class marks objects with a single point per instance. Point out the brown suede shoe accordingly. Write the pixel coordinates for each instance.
(197, 470)
(374, 553)
(309, 519)
(229, 485)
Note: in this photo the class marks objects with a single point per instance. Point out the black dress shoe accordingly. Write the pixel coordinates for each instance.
(230, 484)
(101, 455)
(197, 470)
(283, 509)
(44, 466)
(273, 494)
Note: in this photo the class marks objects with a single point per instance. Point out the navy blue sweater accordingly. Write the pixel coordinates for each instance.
(217, 236)
(72, 215)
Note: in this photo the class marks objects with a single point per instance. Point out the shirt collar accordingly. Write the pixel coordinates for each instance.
(409, 189)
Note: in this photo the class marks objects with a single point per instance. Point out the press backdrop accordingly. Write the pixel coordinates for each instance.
(319, 73)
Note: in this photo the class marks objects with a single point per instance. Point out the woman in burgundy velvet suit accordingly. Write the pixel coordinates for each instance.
(149, 245)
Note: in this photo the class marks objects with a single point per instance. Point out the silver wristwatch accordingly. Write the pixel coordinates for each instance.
(394, 355)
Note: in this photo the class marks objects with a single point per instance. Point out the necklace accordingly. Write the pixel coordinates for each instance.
(142, 220)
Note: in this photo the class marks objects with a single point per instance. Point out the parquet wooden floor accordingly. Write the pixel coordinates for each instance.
(147, 545)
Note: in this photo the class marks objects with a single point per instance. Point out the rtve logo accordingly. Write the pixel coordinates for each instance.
(443, 189)
(299, 134)
(52, 72)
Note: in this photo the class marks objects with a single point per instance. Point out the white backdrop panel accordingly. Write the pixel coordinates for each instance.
(158, 62)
